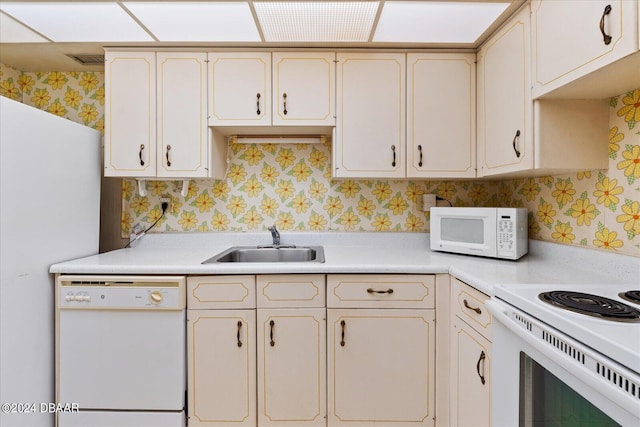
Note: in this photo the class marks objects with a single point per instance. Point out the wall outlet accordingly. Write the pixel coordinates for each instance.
(166, 198)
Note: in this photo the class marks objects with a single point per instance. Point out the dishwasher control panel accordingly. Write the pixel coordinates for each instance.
(102, 293)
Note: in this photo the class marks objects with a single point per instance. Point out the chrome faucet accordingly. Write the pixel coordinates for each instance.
(275, 235)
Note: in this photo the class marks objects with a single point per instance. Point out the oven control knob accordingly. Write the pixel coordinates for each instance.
(155, 297)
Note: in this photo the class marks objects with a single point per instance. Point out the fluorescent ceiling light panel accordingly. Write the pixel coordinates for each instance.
(435, 22)
(11, 31)
(78, 21)
(314, 21)
(205, 21)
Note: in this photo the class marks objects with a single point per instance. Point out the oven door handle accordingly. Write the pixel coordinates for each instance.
(499, 311)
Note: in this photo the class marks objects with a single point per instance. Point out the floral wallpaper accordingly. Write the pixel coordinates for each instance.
(290, 185)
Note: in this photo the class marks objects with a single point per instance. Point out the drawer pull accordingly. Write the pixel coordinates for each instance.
(140, 154)
(515, 138)
(238, 336)
(271, 325)
(481, 359)
(606, 37)
(373, 291)
(342, 325)
(476, 309)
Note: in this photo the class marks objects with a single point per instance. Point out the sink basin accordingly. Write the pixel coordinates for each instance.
(269, 254)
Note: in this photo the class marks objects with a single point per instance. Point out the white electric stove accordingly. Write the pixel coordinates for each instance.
(566, 361)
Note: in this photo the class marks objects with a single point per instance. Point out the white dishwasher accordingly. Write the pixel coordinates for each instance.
(120, 351)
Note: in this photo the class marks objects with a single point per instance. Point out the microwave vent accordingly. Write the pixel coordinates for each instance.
(88, 59)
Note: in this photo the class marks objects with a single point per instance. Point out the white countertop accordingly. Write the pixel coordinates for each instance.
(183, 253)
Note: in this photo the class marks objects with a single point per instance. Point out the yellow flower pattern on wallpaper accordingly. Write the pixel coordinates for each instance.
(290, 185)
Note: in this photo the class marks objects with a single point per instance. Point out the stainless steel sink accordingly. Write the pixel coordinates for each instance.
(269, 254)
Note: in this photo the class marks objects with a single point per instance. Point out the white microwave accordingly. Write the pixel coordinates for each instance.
(488, 232)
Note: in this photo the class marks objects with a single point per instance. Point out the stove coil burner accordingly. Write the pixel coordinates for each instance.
(633, 296)
(591, 305)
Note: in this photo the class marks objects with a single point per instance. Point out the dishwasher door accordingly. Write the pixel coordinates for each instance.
(121, 343)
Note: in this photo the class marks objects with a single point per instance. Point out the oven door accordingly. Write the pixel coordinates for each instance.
(542, 377)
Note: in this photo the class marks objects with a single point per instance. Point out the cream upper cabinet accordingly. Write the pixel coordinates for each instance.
(292, 367)
(304, 88)
(470, 403)
(370, 125)
(505, 122)
(239, 88)
(130, 114)
(441, 115)
(182, 114)
(571, 39)
(156, 117)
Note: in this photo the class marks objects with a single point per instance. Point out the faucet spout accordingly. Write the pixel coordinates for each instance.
(275, 235)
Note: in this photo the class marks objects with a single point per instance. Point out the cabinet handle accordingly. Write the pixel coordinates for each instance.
(140, 154)
(476, 309)
(271, 324)
(373, 291)
(393, 149)
(168, 160)
(284, 102)
(515, 138)
(481, 359)
(420, 151)
(605, 36)
(238, 335)
(342, 324)
(258, 103)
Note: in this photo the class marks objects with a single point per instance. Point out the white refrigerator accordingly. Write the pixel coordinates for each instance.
(50, 172)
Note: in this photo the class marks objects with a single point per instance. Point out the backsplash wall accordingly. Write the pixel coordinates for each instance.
(290, 185)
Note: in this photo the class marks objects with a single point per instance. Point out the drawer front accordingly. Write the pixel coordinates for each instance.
(380, 290)
(291, 290)
(211, 292)
(469, 306)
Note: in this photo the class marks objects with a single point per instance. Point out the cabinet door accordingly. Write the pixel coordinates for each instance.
(381, 367)
(239, 89)
(304, 88)
(471, 377)
(130, 114)
(292, 367)
(221, 363)
(441, 115)
(505, 134)
(182, 114)
(564, 52)
(370, 125)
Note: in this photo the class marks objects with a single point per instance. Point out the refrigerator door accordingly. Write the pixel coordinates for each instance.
(49, 212)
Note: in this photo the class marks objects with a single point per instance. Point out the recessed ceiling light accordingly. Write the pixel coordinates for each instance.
(78, 21)
(436, 22)
(314, 21)
(197, 21)
(11, 31)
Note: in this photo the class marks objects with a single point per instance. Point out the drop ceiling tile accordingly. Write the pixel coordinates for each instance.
(435, 22)
(11, 31)
(197, 21)
(309, 21)
(76, 21)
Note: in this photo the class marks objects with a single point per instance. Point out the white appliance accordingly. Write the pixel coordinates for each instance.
(120, 350)
(552, 363)
(488, 232)
(49, 212)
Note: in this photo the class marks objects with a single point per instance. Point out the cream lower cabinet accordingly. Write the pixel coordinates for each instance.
(381, 360)
(221, 351)
(470, 404)
(292, 367)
